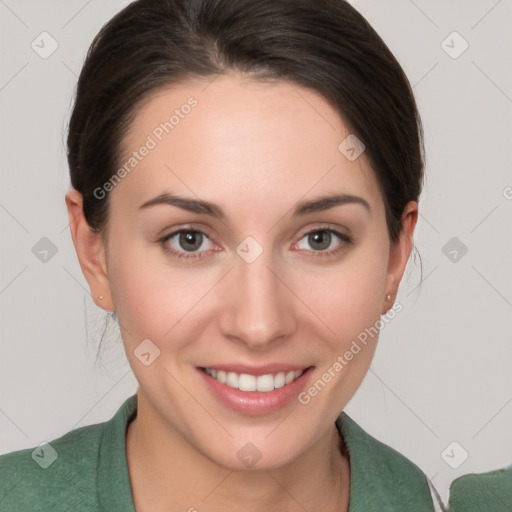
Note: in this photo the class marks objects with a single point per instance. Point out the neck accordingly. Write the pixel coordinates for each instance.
(167, 473)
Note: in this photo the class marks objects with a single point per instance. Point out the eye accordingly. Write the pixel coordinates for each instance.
(324, 238)
(185, 243)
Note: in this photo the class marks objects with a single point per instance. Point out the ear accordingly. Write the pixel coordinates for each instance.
(90, 251)
(399, 253)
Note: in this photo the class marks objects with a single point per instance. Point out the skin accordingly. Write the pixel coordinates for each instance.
(255, 149)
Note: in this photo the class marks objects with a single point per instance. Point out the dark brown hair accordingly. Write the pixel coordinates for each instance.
(325, 45)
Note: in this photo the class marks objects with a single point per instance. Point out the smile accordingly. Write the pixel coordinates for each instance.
(247, 382)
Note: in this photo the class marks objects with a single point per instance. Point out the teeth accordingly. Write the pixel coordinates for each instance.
(246, 382)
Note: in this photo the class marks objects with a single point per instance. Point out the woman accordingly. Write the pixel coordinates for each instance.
(246, 178)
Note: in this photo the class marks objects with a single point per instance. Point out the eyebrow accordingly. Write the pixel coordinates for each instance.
(301, 208)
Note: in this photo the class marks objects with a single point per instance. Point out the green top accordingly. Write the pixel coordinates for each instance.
(85, 470)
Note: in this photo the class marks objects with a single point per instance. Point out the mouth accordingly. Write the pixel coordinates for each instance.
(258, 391)
(264, 383)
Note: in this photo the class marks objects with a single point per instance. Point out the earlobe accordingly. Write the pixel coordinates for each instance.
(400, 251)
(90, 251)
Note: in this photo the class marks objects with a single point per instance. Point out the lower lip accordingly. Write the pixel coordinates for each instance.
(256, 402)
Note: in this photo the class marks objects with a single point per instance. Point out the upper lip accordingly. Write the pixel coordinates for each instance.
(257, 370)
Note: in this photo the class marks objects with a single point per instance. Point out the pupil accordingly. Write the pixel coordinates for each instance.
(318, 237)
(190, 237)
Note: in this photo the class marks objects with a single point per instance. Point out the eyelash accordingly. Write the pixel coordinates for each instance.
(318, 254)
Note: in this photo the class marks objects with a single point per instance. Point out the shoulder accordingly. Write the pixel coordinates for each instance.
(52, 475)
(490, 491)
(84, 470)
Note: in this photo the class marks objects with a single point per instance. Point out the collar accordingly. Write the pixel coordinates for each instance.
(381, 480)
(113, 485)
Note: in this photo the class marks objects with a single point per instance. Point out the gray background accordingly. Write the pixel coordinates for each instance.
(442, 370)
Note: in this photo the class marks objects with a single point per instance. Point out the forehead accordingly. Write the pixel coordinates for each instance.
(248, 144)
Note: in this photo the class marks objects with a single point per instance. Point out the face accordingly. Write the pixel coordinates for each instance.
(235, 271)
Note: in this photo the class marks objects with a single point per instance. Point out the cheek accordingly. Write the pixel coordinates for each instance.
(143, 298)
(347, 298)
(349, 303)
(157, 300)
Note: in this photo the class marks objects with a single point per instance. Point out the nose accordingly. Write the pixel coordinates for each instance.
(259, 307)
